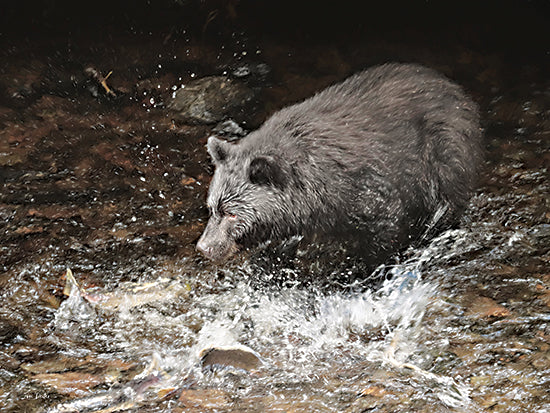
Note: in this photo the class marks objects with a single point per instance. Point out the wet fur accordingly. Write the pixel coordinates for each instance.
(372, 160)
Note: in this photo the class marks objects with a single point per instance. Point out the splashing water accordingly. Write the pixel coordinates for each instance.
(74, 310)
(300, 335)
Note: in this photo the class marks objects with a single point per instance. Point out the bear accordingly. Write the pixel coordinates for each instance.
(377, 162)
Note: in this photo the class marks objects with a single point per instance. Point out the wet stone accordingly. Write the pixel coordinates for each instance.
(210, 99)
(260, 70)
(364, 404)
(8, 363)
(446, 361)
(9, 331)
(541, 235)
(204, 399)
(74, 384)
(478, 381)
(230, 359)
(21, 79)
(374, 391)
(541, 361)
(230, 130)
(486, 307)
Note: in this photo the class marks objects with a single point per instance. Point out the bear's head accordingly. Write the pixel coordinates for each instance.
(246, 198)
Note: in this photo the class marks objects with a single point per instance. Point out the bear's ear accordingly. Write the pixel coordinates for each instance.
(218, 149)
(266, 171)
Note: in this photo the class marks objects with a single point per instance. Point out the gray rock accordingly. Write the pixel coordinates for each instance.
(230, 130)
(237, 358)
(258, 70)
(210, 99)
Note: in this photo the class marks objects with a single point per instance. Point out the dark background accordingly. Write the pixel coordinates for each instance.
(517, 29)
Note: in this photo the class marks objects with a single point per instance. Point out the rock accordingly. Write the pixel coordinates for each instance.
(239, 358)
(479, 381)
(230, 130)
(22, 78)
(204, 399)
(8, 363)
(74, 384)
(364, 404)
(258, 70)
(541, 361)
(374, 391)
(210, 99)
(486, 307)
(540, 235)
(9, 331)
(242, 71)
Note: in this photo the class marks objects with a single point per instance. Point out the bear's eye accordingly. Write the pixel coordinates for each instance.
(228, 215)
(225, 213)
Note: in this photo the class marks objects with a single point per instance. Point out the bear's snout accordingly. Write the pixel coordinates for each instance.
(214, 243)
(204, 248)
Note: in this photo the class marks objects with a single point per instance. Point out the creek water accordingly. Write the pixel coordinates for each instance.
(114, 189)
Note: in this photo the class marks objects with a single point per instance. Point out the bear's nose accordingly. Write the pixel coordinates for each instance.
(203, 248)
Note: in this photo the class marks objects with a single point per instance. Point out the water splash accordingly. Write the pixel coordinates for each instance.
(74, 311)
(299, 333)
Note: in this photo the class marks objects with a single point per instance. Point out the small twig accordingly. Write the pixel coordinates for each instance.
(211, 16)
(95, 74)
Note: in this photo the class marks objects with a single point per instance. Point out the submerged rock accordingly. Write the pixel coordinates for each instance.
(151, 384)
(210, 99)
(203, 399)
(485, 307)
(72, 383)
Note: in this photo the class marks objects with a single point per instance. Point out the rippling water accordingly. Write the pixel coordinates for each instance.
(308, 340)
(301, 335)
